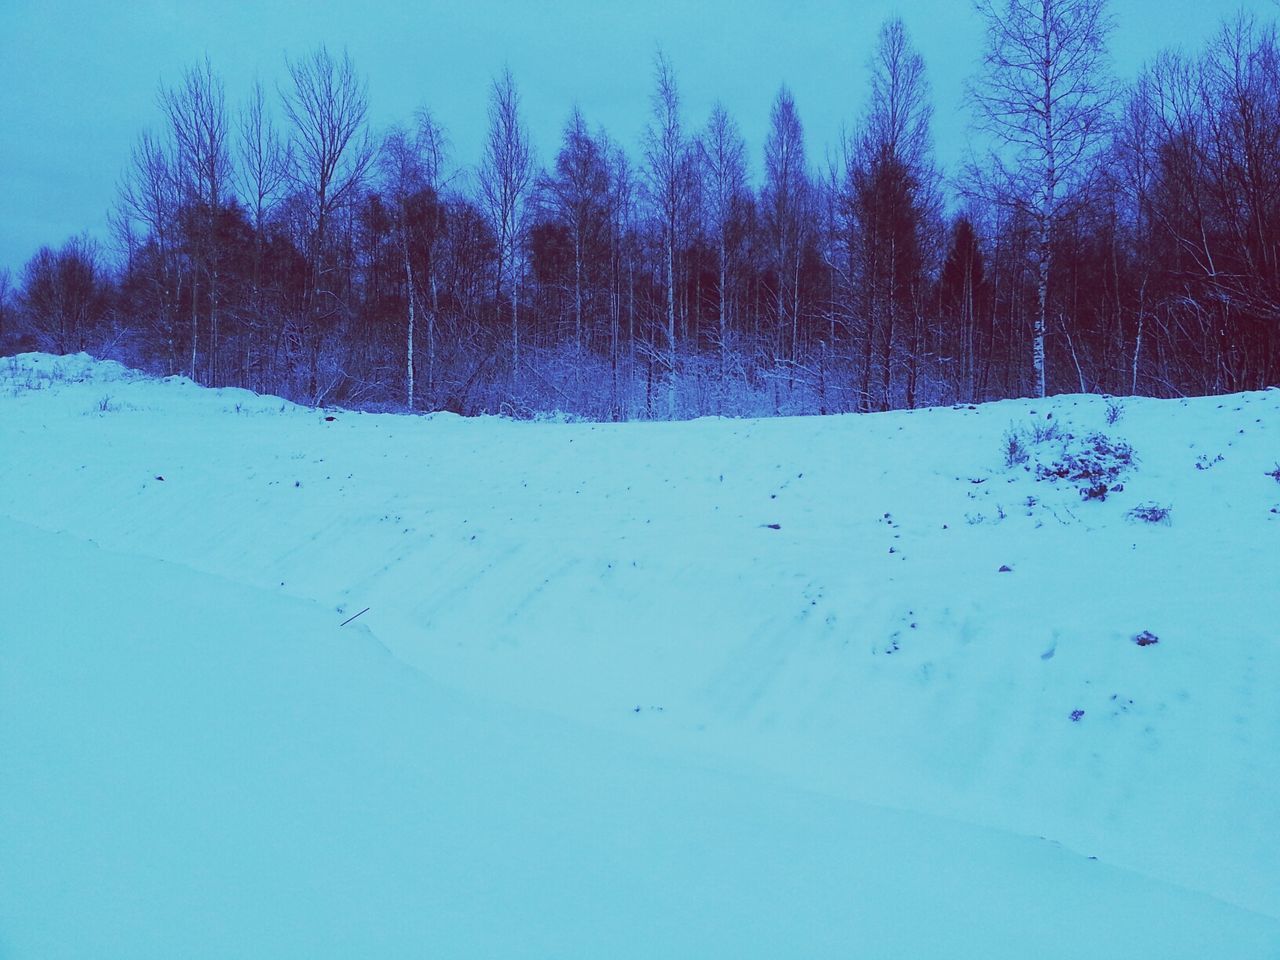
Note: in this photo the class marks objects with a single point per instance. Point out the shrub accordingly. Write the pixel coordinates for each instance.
(1046, 432)
(1150, 512)
(1094, 465)
(1015, 451)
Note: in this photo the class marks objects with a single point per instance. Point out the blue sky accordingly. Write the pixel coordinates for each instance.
(78, 80)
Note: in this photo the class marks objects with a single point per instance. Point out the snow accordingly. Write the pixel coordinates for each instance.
(599, 707)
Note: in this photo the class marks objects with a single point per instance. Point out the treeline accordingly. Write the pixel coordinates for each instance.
(1121, 239)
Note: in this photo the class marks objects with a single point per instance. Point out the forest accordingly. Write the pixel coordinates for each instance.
(1105, 235)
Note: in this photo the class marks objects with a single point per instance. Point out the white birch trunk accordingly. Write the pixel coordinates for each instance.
(408, 345)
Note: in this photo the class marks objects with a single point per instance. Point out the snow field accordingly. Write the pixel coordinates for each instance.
(599, 703)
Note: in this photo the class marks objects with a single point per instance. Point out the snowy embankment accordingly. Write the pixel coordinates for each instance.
(736, 688)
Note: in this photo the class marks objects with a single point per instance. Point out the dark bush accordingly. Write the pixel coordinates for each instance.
(1094, 466)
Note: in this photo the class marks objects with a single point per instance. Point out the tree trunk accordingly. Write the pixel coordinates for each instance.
(1046, 220)
(671, 325)
(724, 346)
(577, 292)
(1137, 344)
(213, 328)
(431, 333)
(515, 332)
(195, 324)
(408, 340)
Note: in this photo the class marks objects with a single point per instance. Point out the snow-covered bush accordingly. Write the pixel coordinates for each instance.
(1095, 464)
(1047, 432)
(1015, 451)
(1150, 512)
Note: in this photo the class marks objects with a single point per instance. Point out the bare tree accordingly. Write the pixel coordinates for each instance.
(724, 167)
(6, 294)
(433, 151)
(403, 177)
(623, 245)
(332, 154)
(264, 158)
(1043, 93)
(961, 283)
(65, 294)
(1214, 199)
(197, 115)
(900, 110)
(1134, 159)
(1240, 152)
(506, 178)
(667, 168)
(332, 151)
(262, 175)
(577, 192)
(894, 200)
(145, 225)
(411, 165)
(785, 200)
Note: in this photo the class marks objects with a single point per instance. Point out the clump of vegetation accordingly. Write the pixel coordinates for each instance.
(1146, 639)
(1095, 463)
(1204, 463)
(1015, 451)
(1115, 410)
(1046, 432)
(1019, 441)
(1150, 512)
(24, 378)
(1275, 474)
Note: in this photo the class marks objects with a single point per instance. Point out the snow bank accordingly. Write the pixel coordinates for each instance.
(234, 775)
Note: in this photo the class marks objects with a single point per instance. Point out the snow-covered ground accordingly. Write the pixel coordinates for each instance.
(719, 688)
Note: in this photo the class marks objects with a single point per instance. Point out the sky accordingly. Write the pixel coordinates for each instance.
(78, 80)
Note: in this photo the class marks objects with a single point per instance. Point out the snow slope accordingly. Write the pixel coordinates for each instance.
(598, 704)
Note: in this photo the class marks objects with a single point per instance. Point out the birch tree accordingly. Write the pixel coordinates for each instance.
(432, 150)
(145, 224)
(506, 179)
(263, 168)
(724, 167)
(411, 164)
(578, 193)
(332, 154)
(1135, 153)
(197, 114)
(402, 178)
(332, 150)
(667, 165)
(785, 201)
(894, 186)
(623, 243)
(1043, 93)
